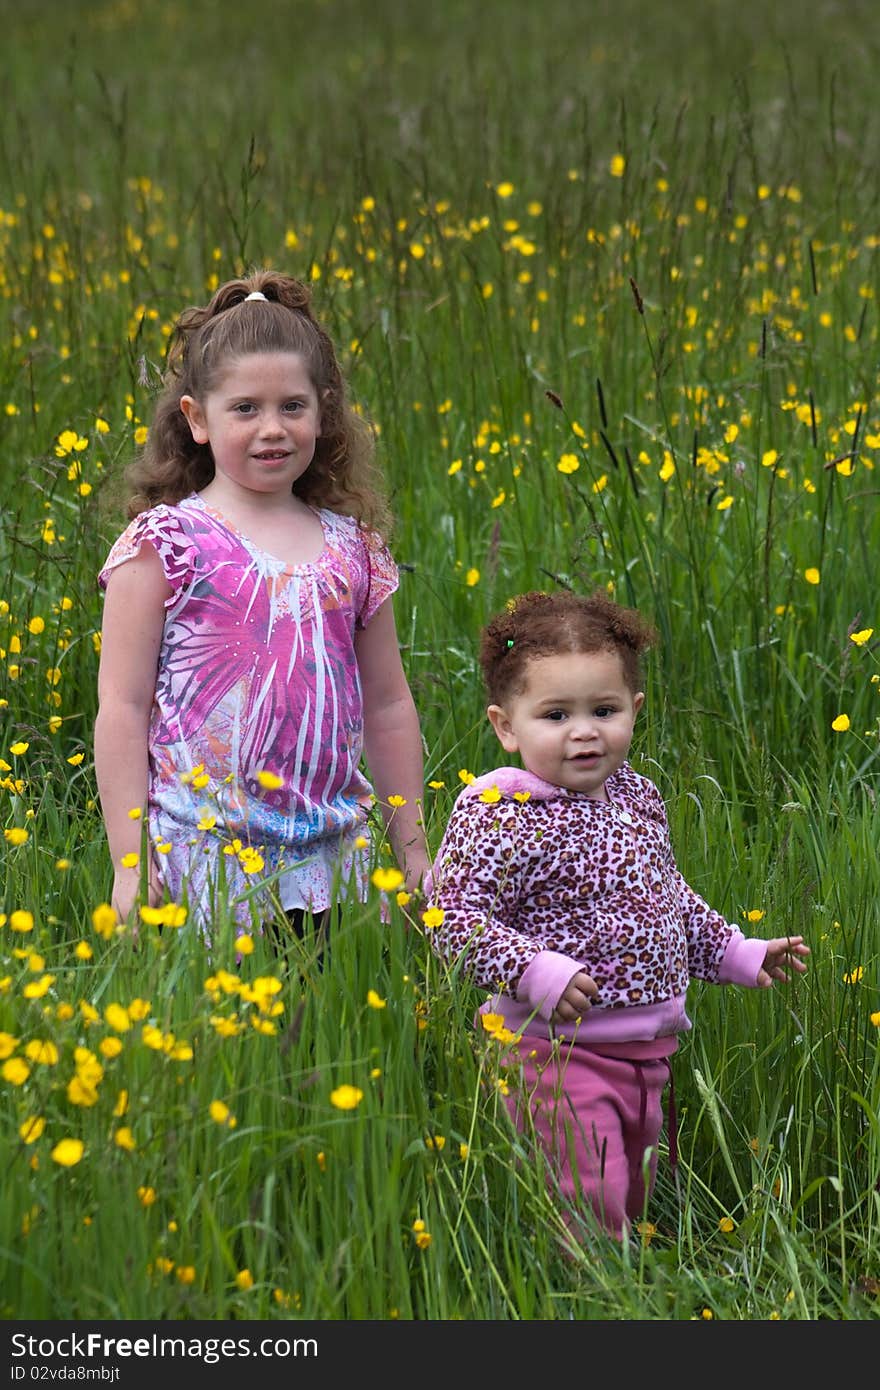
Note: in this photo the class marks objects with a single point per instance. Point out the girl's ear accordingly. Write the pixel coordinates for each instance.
(500, 722)
(321, 399)
(638, 701)
(195, 418)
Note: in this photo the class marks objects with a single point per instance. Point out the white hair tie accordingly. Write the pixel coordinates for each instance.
(254, 294)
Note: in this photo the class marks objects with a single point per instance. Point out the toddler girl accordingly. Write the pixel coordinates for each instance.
(560, 892)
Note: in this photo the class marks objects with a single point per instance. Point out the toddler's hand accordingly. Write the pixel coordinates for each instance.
(575, 1000)
(782, 950)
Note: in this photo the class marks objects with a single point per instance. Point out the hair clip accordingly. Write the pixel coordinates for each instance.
(509, 643)
(254, 294)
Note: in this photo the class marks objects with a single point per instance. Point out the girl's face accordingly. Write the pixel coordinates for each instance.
(261, 420)
(572, 724)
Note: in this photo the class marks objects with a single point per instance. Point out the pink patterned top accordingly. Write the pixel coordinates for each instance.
(537, 883)
(257, 675)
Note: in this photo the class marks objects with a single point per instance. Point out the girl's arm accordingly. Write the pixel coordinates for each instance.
(393, 741)
(131, 635)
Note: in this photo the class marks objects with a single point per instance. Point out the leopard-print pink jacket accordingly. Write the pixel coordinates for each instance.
(537, 887)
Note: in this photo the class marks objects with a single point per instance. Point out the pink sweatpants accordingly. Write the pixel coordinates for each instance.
(594, 1117)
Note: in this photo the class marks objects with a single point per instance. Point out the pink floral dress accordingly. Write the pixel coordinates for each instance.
(256, 730)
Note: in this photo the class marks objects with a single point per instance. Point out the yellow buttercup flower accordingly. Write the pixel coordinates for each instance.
(81, 1092)
(16, 1071)
(31, 1129)
(251, 860)
(68, 1152)
(346, 1097)
(492, 1022)
(118, 1018)
(104, 920)
(38, 988)
(386, 880)
(221, 1114)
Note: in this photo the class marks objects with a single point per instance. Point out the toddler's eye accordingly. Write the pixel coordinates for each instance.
(555, 714)
(604, 711)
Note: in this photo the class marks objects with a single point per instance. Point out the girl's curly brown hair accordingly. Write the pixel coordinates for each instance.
(342, 475)
(538, 624)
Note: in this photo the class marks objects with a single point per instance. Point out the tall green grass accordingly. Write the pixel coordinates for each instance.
(631, 239)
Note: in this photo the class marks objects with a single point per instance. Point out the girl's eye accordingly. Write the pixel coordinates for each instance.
(294, 406)
(244, 408)
(555, 714)
(604, 711)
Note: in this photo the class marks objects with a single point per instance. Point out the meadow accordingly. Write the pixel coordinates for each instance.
(605, 279)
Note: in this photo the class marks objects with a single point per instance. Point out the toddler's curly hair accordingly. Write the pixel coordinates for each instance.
(538, 624)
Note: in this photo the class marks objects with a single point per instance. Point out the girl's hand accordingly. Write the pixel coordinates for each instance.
(576, 998)
(782, 951)
(126, 895)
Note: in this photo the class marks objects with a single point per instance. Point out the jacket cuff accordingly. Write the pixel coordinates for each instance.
(544, 981)
(743, 959)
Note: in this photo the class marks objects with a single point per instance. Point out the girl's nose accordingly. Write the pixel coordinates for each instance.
(584, 729)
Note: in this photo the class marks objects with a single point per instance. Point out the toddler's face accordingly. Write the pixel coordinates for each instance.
(573, 722)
